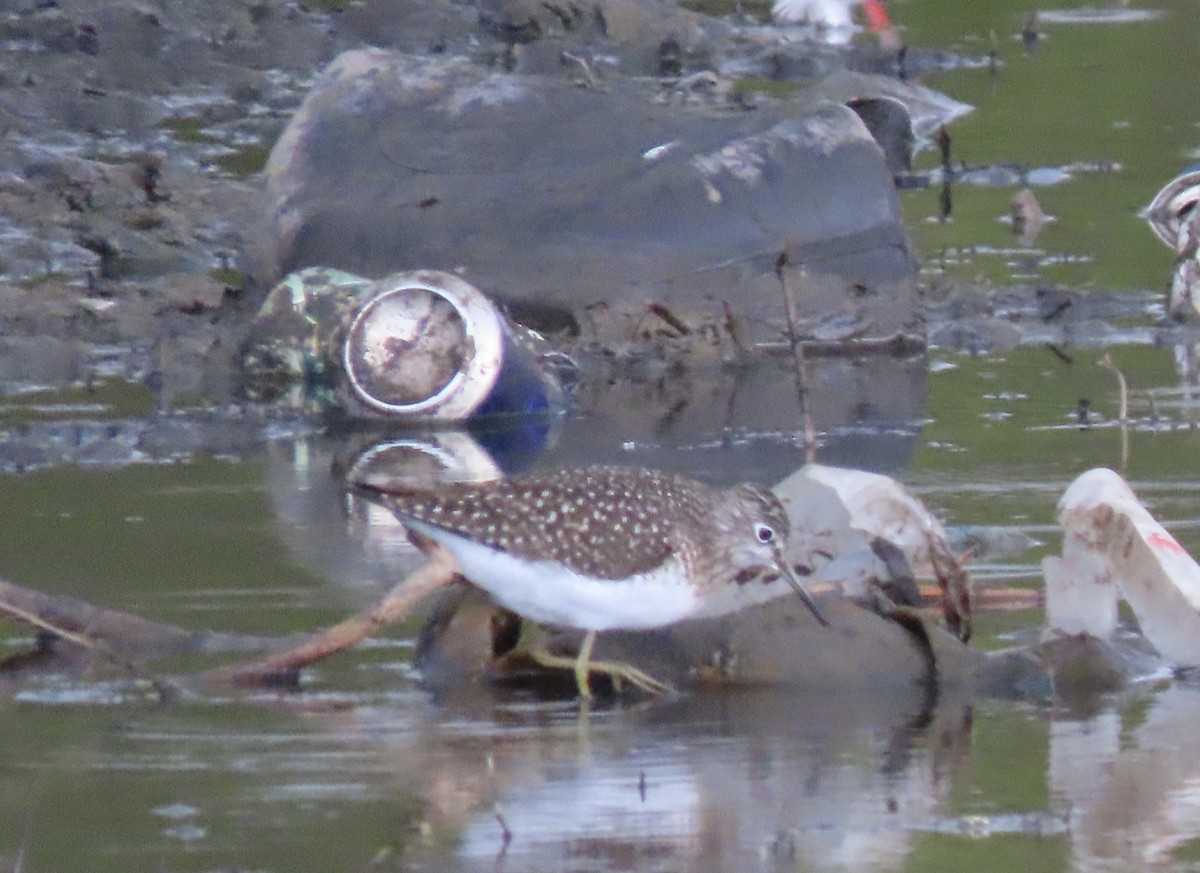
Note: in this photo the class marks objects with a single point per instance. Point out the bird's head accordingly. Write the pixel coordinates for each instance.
(754, 525)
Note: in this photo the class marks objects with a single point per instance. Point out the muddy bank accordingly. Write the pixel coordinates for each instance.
(131, 243)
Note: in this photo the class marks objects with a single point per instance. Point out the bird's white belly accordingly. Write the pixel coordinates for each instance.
(550, 593)
(829, 13)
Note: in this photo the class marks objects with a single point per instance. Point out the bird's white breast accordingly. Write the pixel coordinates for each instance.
(828, 13)
(548, 592)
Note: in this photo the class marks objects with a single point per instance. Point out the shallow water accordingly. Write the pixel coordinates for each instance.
(235, 522)
(361, 769)
(1101, 96)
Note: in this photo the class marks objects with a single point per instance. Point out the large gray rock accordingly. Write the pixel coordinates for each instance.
(555, 198)
(637, 37)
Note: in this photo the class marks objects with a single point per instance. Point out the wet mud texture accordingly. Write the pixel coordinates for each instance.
(131, 138)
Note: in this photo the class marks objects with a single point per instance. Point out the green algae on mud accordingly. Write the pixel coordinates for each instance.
(1089, 95)
(104, 398)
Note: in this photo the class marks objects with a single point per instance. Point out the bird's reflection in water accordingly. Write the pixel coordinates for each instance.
(717, 781)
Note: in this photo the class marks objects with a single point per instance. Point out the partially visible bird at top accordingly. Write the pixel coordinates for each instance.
(833, 18)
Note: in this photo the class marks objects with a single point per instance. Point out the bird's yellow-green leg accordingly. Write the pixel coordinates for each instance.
(583, 665)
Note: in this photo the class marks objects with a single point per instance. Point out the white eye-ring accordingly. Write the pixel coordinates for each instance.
(764, 532)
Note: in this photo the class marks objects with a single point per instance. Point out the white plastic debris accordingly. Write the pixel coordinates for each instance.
(1113, 545)
(823, 543)
(835, 512)
(881, 507)
(1081, 595)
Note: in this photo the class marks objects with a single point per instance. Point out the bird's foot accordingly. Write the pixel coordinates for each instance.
(617, 671)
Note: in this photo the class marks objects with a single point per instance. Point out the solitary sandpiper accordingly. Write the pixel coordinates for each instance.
(606, 548)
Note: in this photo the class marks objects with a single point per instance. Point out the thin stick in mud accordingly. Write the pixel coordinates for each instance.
(789, 307)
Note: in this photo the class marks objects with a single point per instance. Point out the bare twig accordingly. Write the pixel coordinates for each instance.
(506, 833)
(955, 586)
(734, 329)
(1107, 363)
(675, 322)
(395, 606)
(797, 349)
(591, 81)
(1123, 417)
(111, 635)
(163, 689)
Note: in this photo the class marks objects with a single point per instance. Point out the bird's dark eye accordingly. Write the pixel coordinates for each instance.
(764, 533)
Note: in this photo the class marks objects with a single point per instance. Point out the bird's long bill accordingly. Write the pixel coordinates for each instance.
(790, 575)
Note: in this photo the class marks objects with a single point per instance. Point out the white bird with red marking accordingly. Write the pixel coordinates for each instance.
(834, 18)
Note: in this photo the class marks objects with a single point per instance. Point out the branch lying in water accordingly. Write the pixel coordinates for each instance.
(95, 647)
(128, 641)
(396, 605)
